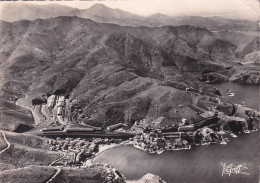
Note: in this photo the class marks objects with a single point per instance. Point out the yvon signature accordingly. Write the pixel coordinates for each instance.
(232, 169)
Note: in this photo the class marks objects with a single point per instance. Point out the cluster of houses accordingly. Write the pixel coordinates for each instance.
(175, 138)
(79, 149)
(157, 141)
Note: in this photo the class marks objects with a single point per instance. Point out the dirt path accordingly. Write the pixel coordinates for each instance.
(64, 154)
(61, 121)
(45, 112)
(7, 142)
(37, 120)
(54, 176)
(57, 168)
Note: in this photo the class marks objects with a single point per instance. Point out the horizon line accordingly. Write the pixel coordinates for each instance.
(71, 4)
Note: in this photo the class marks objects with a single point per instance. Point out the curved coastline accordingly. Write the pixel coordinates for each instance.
(106, 147)
(202, 154)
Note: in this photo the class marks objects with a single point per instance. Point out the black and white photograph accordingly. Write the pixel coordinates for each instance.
(130, 91)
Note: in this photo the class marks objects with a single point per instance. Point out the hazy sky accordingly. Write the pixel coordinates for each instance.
(248, 9)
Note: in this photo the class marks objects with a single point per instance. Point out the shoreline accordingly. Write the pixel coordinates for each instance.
(102, 149)
(108, 147)
(224, 141)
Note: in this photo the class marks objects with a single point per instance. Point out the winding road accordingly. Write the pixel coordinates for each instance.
(7, 142)
(64, 154)
(45, 112)
(54, 176)
(61, 121)
(57, 168)
(37, 119)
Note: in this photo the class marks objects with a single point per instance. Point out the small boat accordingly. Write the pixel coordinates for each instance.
(205, 143)
(231, 94)
(160, 152)
(223, 142)
(222, 132)
(233, 135)
(138, 147)
(226, 139)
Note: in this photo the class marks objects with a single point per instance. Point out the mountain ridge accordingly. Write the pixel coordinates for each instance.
(103, 14)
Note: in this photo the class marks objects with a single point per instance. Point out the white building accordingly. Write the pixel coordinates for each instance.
(51, 101)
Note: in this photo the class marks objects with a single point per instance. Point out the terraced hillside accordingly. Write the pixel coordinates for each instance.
(27, 159)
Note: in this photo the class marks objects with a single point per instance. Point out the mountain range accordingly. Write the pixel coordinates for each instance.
(101, 13)
(116, 73)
